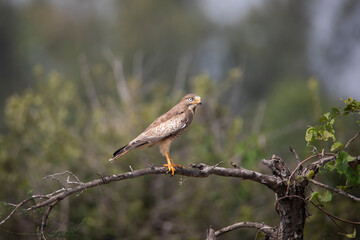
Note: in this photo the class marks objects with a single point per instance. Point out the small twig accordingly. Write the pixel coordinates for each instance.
(295, 154)
(298, 166)
(235, 165)
(210, 234)
(52, 177)
(351, 139)
(215, 165)
(339, 191)
(17, 206)
(63, 173)
(333, 216)
(305, 160)
(44, 220)
(71, 182)
(131, 168)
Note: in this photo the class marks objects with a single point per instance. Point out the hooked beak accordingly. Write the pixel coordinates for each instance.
(198, 100)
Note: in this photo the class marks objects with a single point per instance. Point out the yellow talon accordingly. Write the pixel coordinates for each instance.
(170, 164)
(170, 168)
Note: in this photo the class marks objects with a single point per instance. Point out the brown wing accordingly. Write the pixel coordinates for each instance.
(166, 125)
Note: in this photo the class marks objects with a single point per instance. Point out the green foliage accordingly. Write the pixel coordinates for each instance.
(343, 165)
(325, 130)
(325, 197)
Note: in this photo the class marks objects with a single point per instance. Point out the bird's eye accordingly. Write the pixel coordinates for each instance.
(191, 99)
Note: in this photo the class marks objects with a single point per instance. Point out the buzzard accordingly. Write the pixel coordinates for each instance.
(165, 129)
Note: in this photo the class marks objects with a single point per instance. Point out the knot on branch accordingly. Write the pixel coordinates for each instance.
(277, 166)
(205, 170)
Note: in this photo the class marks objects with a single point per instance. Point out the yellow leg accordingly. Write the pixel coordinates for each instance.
(170, 164)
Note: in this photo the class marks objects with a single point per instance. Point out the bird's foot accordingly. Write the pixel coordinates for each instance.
(171, 168)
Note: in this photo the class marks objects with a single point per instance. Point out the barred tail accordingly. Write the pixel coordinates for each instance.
(127, 148)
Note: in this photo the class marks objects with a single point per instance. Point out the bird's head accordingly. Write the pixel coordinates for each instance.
(191, 101)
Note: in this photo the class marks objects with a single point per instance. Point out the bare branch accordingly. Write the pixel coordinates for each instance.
(17, 206)
(200, 170)
(296, 155)
(339, 191)
(323, 160)
(44, 220)
(270, 231)
(351, 139)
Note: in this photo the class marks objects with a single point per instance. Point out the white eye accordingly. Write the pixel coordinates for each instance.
(191, 99)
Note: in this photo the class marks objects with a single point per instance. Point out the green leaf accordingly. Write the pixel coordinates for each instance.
(335, 112)
(341, 163)
(326, 197)
(327, 115)
(322, 119)
(309, 134)
(330, 166)
(310, 174)
(342, 166)
(327, 134)
(352, 235)
(336, 146)
(314, 195)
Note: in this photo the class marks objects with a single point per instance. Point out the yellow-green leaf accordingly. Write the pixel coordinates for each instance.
(326, 197)
(313, 195)
(310, 174)
(336, 146)
(352, 235)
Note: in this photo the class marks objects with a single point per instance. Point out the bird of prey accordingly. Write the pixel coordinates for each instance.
(165, 129)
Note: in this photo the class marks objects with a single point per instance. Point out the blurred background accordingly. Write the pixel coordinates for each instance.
(79, 79)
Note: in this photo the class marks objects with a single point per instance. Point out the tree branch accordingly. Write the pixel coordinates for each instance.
(270, 231)
(351, 139)
(339, 191)
(199, 170)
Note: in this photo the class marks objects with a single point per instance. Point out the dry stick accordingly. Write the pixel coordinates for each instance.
(63, 173)
(339, 191)
(333, 216)
(351, 139)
